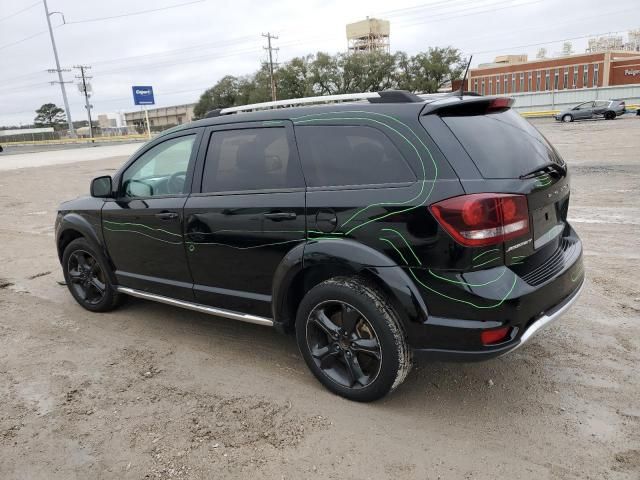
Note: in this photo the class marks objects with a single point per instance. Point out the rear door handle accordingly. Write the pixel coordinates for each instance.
(280, 215)
(167, 215)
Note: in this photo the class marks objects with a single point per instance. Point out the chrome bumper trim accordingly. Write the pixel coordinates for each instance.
(220, 312)
(547, 319)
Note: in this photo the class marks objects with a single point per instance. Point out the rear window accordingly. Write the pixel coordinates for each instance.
(502, 144)
(350, 155)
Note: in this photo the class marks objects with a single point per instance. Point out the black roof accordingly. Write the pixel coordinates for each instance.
(291, 113)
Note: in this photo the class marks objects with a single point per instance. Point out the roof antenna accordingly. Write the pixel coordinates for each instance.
(465, 77)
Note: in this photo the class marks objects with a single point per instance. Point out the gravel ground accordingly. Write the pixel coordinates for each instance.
(151, 391)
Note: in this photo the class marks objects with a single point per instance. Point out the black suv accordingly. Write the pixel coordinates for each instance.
(374, 230)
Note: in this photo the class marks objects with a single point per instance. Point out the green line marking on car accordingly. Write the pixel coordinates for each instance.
(576, 275)
(122, 230)
(406, 243)
(246, 248)
(481, 307)
(486, 262)
(485, 252)
(298, 120)
(517, 259)
(383, 203)
(143, 226)
(395, 248)
(468, 284)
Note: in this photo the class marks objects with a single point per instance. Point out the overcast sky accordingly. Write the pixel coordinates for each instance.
(183, 50)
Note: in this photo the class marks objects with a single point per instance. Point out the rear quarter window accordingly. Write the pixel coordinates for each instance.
(350, 155)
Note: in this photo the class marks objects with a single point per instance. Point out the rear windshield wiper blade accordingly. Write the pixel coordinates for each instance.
(541, 169)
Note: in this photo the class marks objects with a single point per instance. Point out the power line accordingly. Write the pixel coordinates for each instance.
(463, 12)
(441, 7)
(212, 45)
(4, 90)
(131, 14)
(270, 49)
(172, 63)
(547, 27)
(19, 11)
(26, 75)
(6, 45)
(609, 32)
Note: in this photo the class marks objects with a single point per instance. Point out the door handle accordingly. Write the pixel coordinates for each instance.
(167, 215)
(280, 215)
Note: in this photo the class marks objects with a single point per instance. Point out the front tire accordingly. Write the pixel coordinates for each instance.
(85, 273)
(567, 118)
(352, 339)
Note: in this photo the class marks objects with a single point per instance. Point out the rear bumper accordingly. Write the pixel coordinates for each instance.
(523, 297)
(516, 342)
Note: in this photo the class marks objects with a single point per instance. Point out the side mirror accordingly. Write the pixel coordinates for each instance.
(101, 187)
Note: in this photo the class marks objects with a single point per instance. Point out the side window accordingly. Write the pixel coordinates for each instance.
(250, 159)
(162, 170)
(350, 155)
(585, 106)
(601, 103)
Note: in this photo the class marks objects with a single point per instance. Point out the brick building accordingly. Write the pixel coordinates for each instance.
(511, 75)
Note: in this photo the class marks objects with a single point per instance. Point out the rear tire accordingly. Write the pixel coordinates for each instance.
(352, 339)
(609, 115)
(86, 274)
(567, 118)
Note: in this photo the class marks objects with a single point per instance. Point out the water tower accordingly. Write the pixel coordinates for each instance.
(370, 35)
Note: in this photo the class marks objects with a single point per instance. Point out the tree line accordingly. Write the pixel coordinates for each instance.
(324, 74)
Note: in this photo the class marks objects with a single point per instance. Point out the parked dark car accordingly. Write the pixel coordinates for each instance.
(607, 109)
(374, 230)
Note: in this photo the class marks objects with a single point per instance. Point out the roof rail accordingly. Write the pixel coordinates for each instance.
(300, 101)
(387, 96)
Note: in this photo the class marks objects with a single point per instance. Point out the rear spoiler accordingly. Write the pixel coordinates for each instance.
(469, 105)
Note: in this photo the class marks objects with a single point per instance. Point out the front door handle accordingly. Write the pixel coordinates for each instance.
(167, 215)
(280, 215)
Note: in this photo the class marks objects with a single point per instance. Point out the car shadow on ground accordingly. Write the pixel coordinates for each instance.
(505, 383)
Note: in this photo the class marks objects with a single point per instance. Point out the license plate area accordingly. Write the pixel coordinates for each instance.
(546, 225)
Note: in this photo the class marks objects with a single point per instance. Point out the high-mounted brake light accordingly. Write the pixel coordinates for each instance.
(482, 219)
(500, 103)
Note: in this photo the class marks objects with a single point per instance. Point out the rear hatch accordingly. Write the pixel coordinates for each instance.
(511, 156)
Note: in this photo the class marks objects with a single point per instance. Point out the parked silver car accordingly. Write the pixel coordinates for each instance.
(607, 109)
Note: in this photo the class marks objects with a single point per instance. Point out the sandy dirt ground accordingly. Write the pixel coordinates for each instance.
(151, 391)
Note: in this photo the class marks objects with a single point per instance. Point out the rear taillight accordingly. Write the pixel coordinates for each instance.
(482, 219)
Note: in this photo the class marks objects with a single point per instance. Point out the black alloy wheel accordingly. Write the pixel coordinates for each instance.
(343, 344)
(352, 339)
(87, 278)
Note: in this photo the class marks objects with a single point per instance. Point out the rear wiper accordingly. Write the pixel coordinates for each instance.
(541, 169)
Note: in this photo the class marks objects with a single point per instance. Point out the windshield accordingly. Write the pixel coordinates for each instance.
(502, 144)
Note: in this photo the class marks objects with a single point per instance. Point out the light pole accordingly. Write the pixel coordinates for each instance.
(72, 132)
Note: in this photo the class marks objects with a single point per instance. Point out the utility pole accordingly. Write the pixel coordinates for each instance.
(85, 89)
(270, 49)
(72, 132)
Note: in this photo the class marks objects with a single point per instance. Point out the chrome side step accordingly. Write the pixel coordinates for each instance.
(220, 312)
